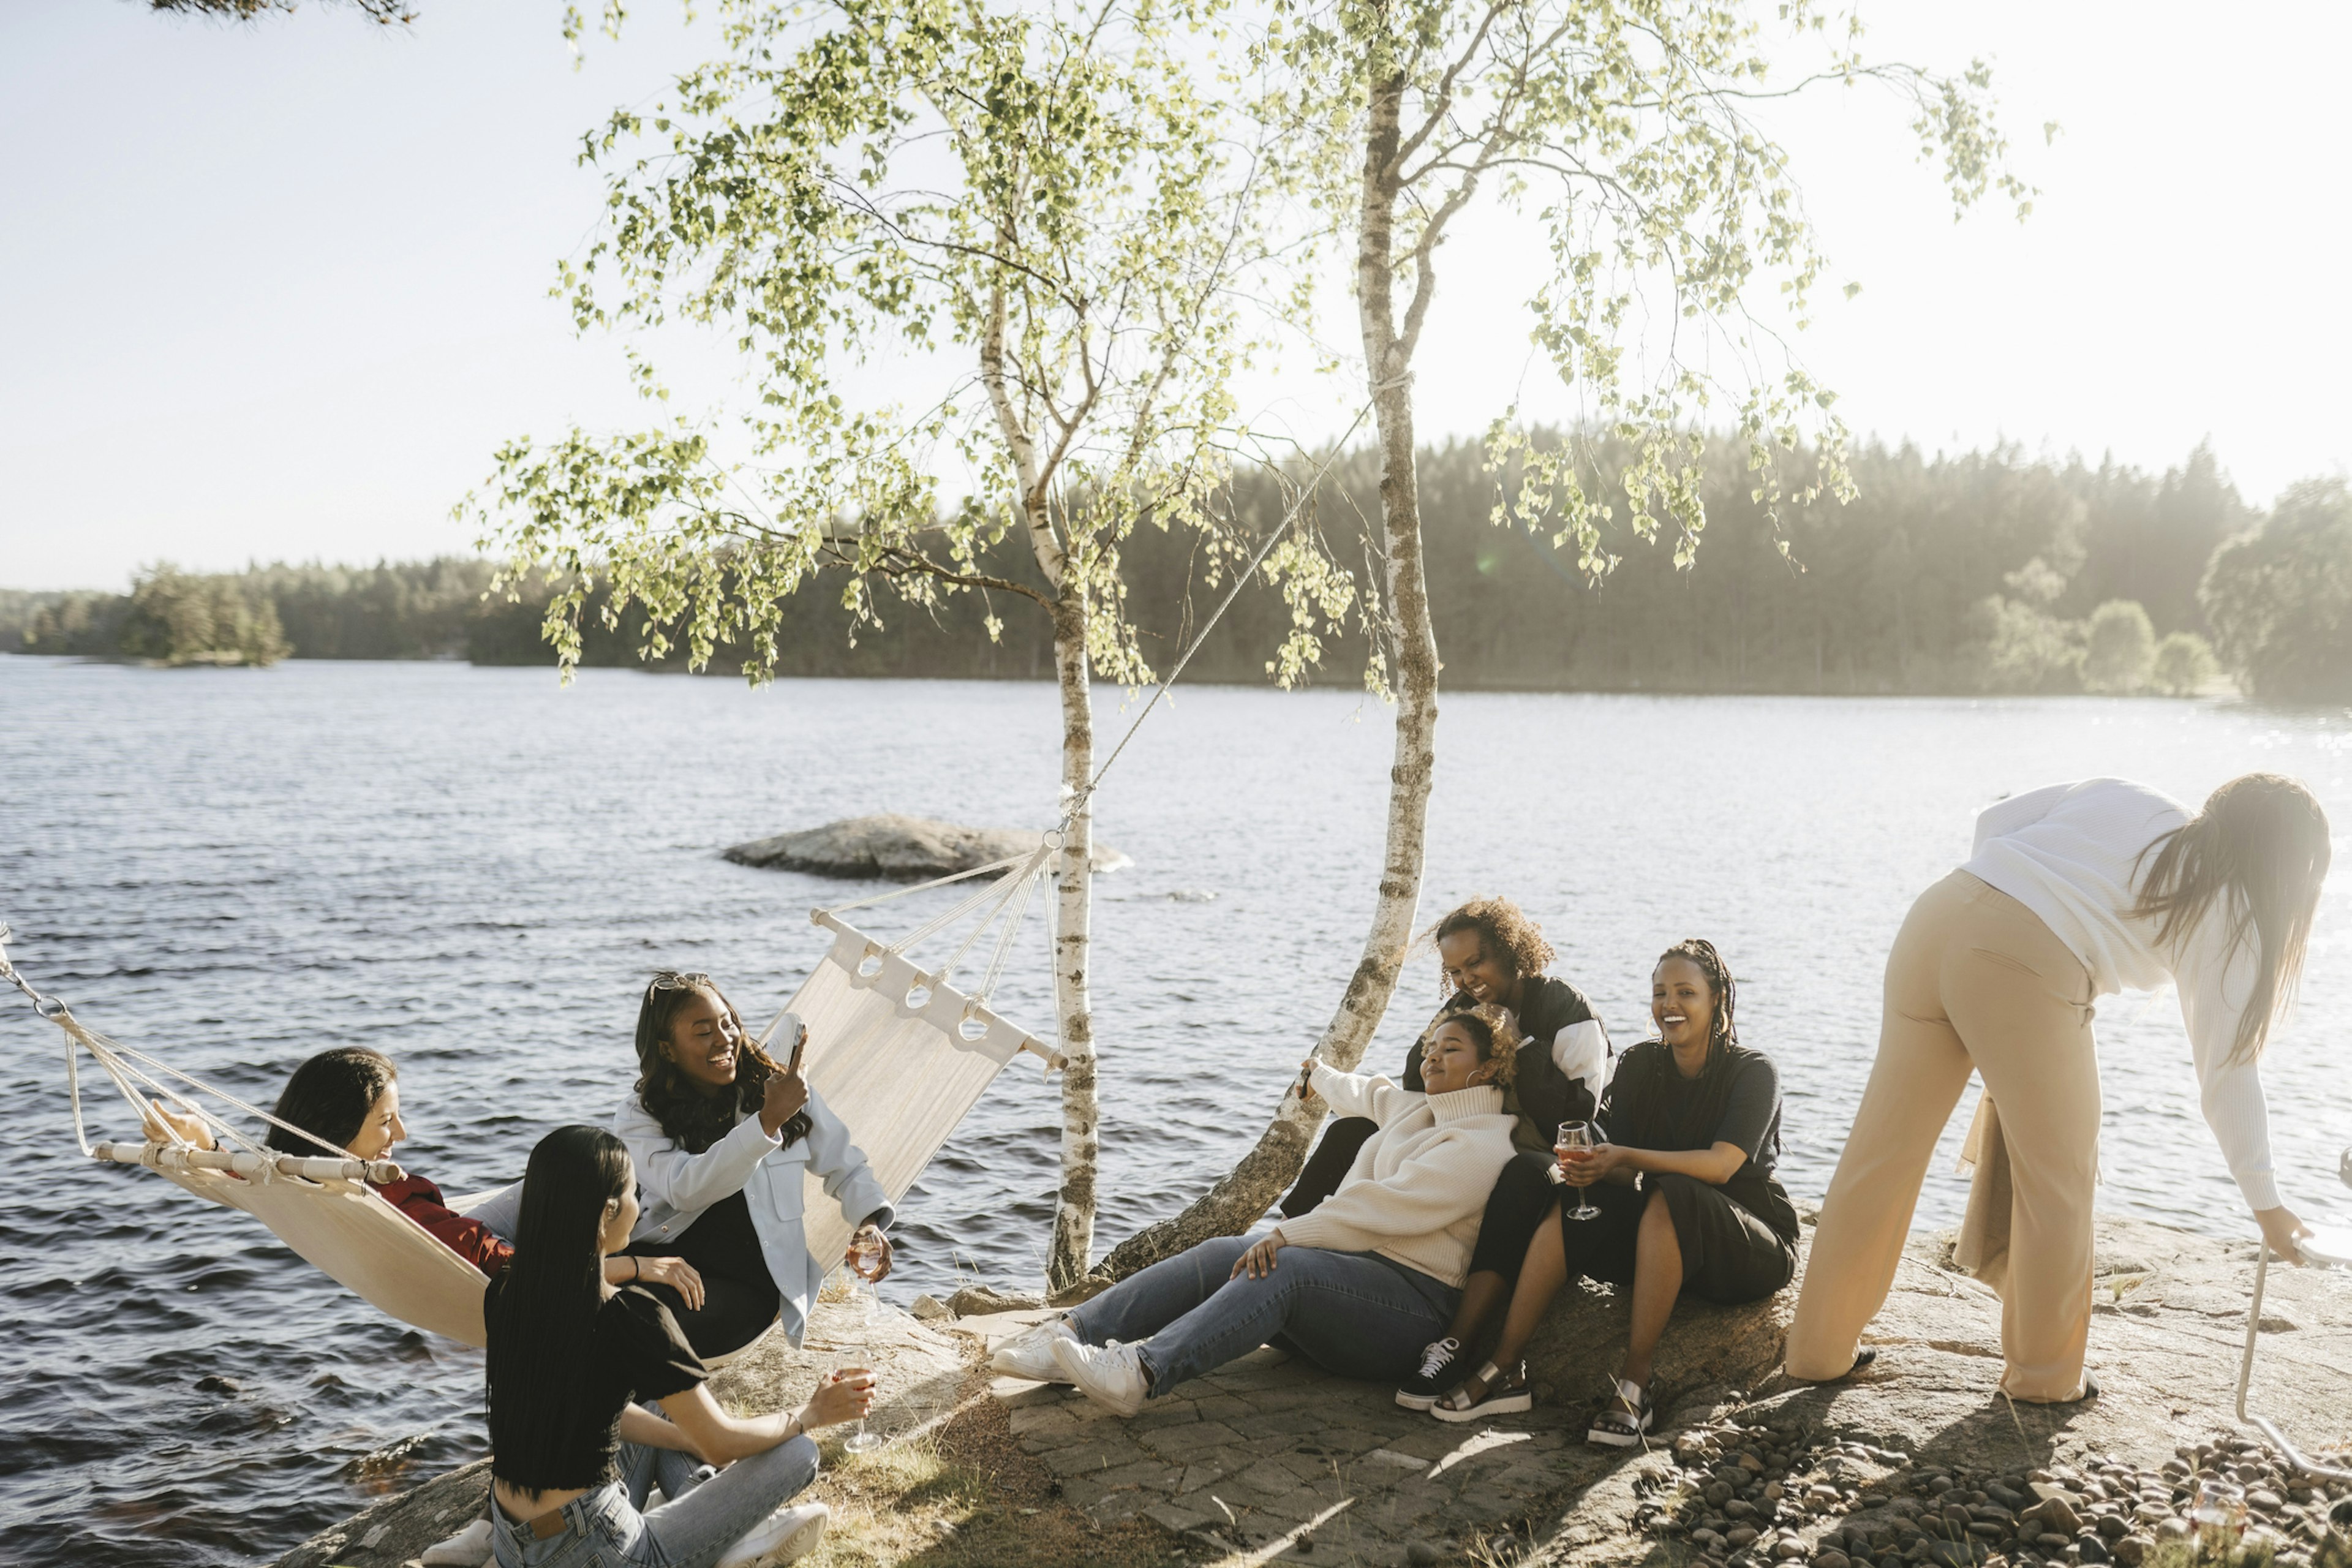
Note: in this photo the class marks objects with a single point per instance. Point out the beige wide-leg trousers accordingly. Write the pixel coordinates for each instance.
(1976, 980)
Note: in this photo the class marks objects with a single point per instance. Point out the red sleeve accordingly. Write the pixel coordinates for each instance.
(470, 1239)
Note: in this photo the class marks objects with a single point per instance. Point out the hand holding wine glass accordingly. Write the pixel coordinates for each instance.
(869, 1253)
(845, 1394)
(1573, 1148)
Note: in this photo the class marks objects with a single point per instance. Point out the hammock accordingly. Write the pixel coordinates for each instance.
(898, 1053)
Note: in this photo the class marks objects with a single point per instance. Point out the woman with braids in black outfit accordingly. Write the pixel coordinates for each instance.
(1684, 1186)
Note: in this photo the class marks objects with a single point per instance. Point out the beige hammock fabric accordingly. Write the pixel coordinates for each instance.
(899, 1075)
(346, 1232)
(899, 1055)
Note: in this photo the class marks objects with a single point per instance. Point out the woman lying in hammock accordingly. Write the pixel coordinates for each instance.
(1684, 1191)
(721, 1135)
(573, 1452)
(1358, 1286)
(351, 1097)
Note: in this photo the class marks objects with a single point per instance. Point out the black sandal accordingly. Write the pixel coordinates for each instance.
(1498, 1394)
(1625, 1420)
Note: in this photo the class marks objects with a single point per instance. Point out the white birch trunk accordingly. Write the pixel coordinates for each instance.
(1074, 1215)
(1074, 1218)
(1244, 1194)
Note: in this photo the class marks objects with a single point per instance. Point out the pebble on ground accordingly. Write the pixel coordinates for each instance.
(1751, 1496)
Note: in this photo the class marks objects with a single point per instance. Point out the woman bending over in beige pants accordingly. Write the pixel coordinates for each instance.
(2073, 892)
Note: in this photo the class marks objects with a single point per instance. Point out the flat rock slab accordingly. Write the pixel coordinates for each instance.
(1270, 1458)
(905, 848)
(921, 1371)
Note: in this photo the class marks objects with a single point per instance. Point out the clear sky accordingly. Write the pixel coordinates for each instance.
(277, 291)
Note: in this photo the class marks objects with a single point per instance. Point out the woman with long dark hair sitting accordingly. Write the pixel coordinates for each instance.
(2071, 893)
(1357, 1287)
(575, 1454)
(721, 1133)
(350, 1097)
(1684, 1187)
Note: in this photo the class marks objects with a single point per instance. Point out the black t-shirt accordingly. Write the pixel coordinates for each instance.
(636, 1353)
(1651, 1105)
(1541, 1096)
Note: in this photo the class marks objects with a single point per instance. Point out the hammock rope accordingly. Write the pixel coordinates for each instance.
(132, 1072)
(1009, 897)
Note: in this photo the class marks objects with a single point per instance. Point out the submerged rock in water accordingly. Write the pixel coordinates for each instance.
(891, 845)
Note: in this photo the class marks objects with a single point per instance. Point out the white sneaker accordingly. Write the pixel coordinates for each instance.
(1110, 1375)
(469, 1548)
(1030, 1354)
(784, 1536)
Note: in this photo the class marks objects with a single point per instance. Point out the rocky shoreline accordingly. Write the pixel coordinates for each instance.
(1757, 1493)
(1919, 1461)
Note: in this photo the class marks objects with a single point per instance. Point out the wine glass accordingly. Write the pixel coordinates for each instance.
(866, 1258)
(865, 1253)
(2220, 1511)
(1575, 1139)
(862, 1441)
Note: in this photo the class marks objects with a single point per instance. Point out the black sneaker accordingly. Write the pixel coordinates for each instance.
(1440, 1369)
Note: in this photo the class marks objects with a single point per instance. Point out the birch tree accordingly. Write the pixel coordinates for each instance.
(1679, 249)
(1032, 216)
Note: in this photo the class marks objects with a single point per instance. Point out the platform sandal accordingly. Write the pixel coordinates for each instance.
(1625, 1419)
(1498, 1394)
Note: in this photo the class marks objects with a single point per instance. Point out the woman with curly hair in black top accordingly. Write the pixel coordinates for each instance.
(1684, 1191)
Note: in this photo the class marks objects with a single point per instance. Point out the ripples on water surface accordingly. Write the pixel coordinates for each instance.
(473, 870)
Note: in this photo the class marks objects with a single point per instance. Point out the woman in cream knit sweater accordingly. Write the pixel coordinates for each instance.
(1357, 1287)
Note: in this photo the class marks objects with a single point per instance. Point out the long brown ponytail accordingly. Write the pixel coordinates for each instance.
(2260, 850)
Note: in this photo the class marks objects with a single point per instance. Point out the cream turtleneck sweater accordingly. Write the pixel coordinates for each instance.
(1420, 1184)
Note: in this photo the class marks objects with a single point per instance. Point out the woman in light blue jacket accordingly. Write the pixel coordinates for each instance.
(721, 1136)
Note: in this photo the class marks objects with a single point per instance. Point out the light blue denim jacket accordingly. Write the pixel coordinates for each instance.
(674, 1188)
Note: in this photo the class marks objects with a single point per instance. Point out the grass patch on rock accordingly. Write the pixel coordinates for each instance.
(963, 1495)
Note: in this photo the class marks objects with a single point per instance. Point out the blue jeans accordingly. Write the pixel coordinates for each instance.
(605, 1529)
(1355, 1314)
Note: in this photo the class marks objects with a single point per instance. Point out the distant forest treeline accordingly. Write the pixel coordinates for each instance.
(1990, 572)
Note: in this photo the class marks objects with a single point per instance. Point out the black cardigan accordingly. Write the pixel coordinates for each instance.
(1541, 1096)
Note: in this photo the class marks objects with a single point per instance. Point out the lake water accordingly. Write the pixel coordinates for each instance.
(473, 870)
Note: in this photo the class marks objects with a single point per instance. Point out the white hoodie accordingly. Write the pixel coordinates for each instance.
(1419, 1185)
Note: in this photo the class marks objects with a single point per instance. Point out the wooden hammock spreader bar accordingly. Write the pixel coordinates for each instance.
(184, 1157)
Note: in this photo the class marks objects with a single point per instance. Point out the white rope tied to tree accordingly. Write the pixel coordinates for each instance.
(1008, 898)
(1078, 802)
